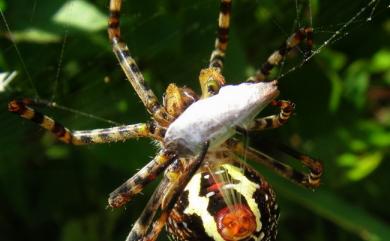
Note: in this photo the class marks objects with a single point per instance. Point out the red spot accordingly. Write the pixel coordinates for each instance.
(215, 187)
(151, 177)
(235, 222)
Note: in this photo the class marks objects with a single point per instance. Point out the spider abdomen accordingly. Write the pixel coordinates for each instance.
(228, 203)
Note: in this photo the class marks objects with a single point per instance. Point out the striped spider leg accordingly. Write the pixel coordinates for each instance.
(164, 197)
(183, 226)
(272, 121)
(211, 78)
(134, 185)
(277, 57)
(130, 68)
(206, 192)
(287, 107)
(310, 180)
(23, 108)
(176, 177)
(121, 133)
(218, 55)
(176, 100)
(97, 136)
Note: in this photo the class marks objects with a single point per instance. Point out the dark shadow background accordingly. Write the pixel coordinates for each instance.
(51, 191)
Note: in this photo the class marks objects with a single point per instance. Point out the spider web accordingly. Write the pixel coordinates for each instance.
(282, 20)
(61, 53)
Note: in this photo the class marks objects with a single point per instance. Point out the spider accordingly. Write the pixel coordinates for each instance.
(207, 192)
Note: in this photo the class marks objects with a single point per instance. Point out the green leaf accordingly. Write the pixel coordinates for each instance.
(380, 139)
(356, 82)
(81, 15)
(381, 61)
(57, 152)
(3, 5)
(35, 35)
(360, 166)
(337, 90)
(333, 61)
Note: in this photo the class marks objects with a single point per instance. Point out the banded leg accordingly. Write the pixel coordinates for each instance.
(276, 57)
(221, 42)
(167, 200)
(131, 69)
(114, 134)
(141, 226)
(125, 192)
(310, 180)
(273, 121)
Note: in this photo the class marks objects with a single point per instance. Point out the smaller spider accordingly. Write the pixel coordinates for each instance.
(207, 192)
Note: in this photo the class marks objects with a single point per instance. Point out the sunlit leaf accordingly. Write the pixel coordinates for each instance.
(360, 166)
(347, 159)
(3, 5)
(366, 165)
(81, 15)
(35, 35)
(358, 145)
(380, 139)
(381, 61)
(377, 134)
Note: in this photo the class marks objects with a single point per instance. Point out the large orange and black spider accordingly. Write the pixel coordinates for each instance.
(207, 192)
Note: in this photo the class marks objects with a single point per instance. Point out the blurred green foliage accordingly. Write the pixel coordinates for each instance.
(51, 191)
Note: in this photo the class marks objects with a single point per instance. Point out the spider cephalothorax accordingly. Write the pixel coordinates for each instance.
(177, 99)
(207, 192)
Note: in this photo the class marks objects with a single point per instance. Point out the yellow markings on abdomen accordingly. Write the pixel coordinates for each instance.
(198, 205)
